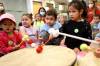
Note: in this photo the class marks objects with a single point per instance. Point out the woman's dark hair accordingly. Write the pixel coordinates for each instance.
(52, 12)
(79, 6)
(40, 10)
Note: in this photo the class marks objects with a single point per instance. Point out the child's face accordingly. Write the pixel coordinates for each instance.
(91, 4)
(8, 25)
(62, 19)
(96, 19)
(74, 13)
(42, 12)
(26, 21)
(50, 20)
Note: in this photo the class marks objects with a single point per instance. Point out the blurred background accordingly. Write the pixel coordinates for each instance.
(18, 7)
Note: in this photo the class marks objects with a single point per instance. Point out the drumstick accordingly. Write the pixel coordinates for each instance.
(21, 43)
(80, 38)
(48, 40)
(25, 37)
(64, 38)
(56, 33)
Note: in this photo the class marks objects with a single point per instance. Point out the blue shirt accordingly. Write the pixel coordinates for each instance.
(99, 26)
(97, 35)
(46, 27)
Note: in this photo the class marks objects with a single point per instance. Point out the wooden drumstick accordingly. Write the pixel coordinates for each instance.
(21, 43)
(25, 37)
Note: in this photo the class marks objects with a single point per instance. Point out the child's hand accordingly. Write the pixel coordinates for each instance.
(16, 47)
(76, 50)
(51, 36)
(62, 43)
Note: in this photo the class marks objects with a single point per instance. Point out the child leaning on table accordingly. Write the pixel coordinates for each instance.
(9, 38)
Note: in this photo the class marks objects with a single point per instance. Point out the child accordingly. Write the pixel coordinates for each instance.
(9, 38)
(42, 13)
(76, 26)
(50, 22)
(95, 25)
(27, 27)
(38, 23)
(62, 18)
(92, 10)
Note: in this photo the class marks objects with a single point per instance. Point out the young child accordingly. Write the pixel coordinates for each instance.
(50, 22)
(27, 28)
(95, 25)
(38, 23)
(9, 38)
(42, 13)
(76, 26)
(62, 18)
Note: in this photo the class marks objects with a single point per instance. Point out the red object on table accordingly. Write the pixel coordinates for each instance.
(30, 41)
(39, 49)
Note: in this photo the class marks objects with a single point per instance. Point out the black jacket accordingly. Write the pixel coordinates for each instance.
(81, 29)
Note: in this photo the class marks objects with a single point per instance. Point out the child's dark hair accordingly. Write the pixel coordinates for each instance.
(79, 6)
(29, 15)
(97, 16)
(52, 12)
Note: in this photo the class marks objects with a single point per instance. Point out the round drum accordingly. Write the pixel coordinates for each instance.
(50, 56)
(89, 60)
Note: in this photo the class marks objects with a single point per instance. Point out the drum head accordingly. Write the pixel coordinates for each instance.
(50, 56)
(89, 60)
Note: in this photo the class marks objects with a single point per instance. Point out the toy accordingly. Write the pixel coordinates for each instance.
(39, 49)
(84, 47)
